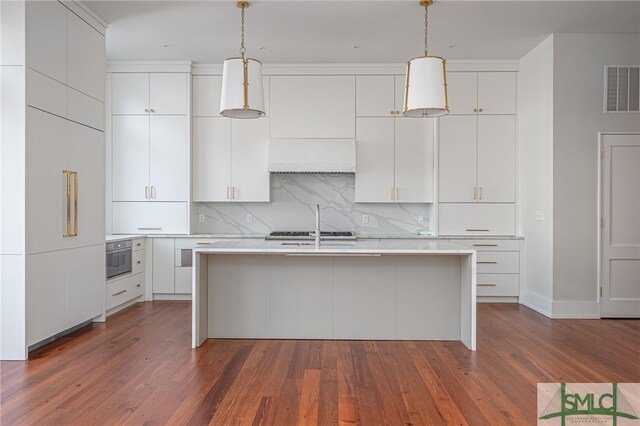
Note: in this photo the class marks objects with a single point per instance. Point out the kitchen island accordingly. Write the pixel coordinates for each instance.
(373, 290)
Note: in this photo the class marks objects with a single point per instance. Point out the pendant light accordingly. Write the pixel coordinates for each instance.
(425, 92)
(242, 94)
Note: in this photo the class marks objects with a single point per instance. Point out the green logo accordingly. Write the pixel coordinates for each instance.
(565, 405)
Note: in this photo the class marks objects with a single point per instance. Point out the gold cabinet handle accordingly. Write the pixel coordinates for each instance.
(152, 110)
(227, 193)
(234, 193)
(391, 192)
(485, 245)
(488, 263)
(397, 112)
(138, 285)
(68, 175)
(475, 110)
(75, 204)
(138, 262)
(392, 112)
(486, 285)
(146, 110)
(152, 192)
(397, 194)
(480, 193)
(479, 110)
(119, 292)
(476, 230)
(475, 193)
(146, 192)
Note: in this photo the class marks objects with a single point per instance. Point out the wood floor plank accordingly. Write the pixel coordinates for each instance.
(138, 368)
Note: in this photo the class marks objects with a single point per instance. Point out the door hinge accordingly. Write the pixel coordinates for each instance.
(602, 153)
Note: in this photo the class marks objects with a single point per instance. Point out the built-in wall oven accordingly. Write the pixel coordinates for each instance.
(118, 258)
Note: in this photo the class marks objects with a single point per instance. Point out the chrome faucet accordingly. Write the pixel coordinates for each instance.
(318, 225)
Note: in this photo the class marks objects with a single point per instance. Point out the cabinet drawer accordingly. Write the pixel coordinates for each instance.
(189, 243)
(137, 262)
(498, 284)
(138, 244)
(498, 262)
(477, 219)
(489, 245)
(149, 218)
(121, 291)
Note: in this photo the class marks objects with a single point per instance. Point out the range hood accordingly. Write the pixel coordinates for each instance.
(312, 156)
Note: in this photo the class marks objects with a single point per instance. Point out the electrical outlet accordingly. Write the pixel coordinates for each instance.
(540, 215)
(201, 218)
(420, 219)
(365, 218)
(249, 218)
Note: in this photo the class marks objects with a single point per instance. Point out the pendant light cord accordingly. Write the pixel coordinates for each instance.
(426, 28)
(243, 50)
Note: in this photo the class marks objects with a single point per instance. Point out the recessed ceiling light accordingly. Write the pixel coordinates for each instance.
(451, 46)
(262, 48)
(165, 45)
(355, 46)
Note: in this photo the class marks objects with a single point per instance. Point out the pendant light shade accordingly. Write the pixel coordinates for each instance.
(242, 92)
(425, 92)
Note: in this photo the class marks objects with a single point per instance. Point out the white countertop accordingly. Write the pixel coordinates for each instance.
(334, 247)
(111, 238)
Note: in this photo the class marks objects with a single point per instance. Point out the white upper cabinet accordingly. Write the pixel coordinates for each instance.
(481, 92)
(375, 96)
(316, 107)
(399, 94)
(47, 38)
(250, 180)
(169, 158)
(497, 158)
(375, 172)
(207, 91)
(85, 58)
(130, 157)
(457, 150)
(414, 160)
(211, 158)
(130, 93)
(169, 93)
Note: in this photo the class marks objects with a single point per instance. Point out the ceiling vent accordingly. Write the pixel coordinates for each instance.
(622, 89)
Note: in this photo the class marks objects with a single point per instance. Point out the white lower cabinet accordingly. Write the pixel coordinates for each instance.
(64, 289)
(163, 253)
(477, 219)
(123, 290)
(498, 285)
(150, 218)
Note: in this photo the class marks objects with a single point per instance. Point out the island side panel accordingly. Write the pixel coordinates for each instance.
(200, 304)
(468, 301)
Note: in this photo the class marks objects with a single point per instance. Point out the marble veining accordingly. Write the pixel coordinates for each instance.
(292, 208)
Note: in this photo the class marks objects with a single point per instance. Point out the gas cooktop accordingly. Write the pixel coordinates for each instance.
(309, 235)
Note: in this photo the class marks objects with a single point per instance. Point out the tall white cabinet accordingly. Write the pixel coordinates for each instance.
(150, 152)
(477, 155)
(54, 155)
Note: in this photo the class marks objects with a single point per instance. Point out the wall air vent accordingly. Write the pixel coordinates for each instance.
(622, 89)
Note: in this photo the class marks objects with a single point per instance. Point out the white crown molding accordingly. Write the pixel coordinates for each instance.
(86, 14)
(148, 66)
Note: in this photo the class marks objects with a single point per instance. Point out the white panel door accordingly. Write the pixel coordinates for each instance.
(321, 107)
(477, 219)
(169, 93)
(163, 265)
(374, 182)
(150, 218)
(46, 183)
(46, 38)
(85, 283)
(129, 93)
(250, 179)
(85, 154)
(414, 178)
(497, 158)
(374, 96)
(169, 158)
(497, 92)
(85, 58)
(46, 295)
(206, 95)
(462, 92)
(457, 162)
(621, 232)
(399, 94)
(130, 157)
(211, 158)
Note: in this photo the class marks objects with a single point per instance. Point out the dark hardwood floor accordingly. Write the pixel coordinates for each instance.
(138, 368)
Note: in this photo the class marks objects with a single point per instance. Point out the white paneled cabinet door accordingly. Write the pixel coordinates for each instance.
(211, 154)
(399, 94)
(130, 150)
(497, 158)
(130, 93)
(163, 265)
(47, 158)
(462, 92)
(85, 57)
(85, 153)
(206, 95)
(169, 93)
(374, 96)
(249, 152)
(85, 283)
(457, 166)
(414, 160)
(169, 158)
(46, 38)
(496, 92)
(374, 181)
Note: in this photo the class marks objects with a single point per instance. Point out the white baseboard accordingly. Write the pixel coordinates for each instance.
(537, 302)
(158, 296)
(576, 309)
(496, 299)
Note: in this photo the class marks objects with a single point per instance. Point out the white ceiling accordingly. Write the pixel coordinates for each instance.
(326, 31)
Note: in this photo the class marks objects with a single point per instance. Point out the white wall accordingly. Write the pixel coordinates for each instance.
(535, 107)
(579, 61)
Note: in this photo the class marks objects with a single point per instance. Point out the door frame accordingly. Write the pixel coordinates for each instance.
(600, 207)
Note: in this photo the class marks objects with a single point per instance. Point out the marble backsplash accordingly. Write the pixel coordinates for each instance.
(292, 208)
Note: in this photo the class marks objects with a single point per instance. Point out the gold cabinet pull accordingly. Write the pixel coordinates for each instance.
(153, 110)
(138, 262)
(228, 193)
(485, 245)
(479, 110)
(391, 192)
(138, 285)
(146, 110)
(397, 194)
(152, 192)
(119, 292)
(480, 192)
(486, 285)
(397, 112)
(392, 112)
(488, 263)
(234, 192)
(475, 193)
(75, 204)
(146, 192)
(476, 230)
(475, 110)
(68, 176)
